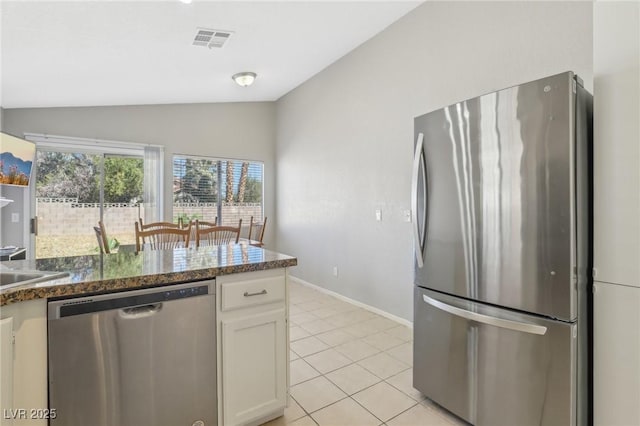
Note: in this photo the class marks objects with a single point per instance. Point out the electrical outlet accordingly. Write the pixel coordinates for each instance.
(379, 215)
(335, 271)
(15, 217)
(406, 215)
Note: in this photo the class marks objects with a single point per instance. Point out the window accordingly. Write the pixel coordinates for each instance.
(81, 181)
(209, 188)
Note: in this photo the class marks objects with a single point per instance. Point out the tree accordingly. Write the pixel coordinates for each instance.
(75, 175)
(253, 191)
(206, 190)
(198, 183)
(65, 175)
(242, 187)
(123, 182)
(229, 183)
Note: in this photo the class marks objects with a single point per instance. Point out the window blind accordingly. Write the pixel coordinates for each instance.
(206, 188)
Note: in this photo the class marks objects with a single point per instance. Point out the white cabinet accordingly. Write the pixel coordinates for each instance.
(616, 371)
(27, 375)
(254, 366)
(616, 60)
(616, 95)
(6, 370)
(252, 346)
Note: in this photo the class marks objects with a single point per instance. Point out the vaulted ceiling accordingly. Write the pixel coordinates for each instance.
(84, 53)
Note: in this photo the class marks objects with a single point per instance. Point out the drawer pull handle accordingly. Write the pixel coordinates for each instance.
(247, 294)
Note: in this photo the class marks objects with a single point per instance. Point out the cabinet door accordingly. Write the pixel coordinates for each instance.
(254, 362)
(616, 370)
(616, 206)
(28, 359)
(6, 366)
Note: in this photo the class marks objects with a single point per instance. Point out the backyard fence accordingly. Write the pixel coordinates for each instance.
(68, 217)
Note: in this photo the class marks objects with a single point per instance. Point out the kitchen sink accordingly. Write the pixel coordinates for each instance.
(10, 278)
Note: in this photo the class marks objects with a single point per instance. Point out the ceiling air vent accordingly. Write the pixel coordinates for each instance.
(211, 38)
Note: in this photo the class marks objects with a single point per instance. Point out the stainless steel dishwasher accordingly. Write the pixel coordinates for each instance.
(135, 358)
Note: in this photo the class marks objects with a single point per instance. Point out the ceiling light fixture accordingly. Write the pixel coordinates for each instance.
(185, 1)
(244, 79)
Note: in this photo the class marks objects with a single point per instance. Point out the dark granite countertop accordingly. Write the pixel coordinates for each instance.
(103, 273)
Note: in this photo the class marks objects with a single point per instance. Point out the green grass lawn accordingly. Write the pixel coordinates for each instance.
(73, 245)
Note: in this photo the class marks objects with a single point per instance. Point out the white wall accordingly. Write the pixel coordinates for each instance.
(616, 51)
(344, 138)
(227, 130)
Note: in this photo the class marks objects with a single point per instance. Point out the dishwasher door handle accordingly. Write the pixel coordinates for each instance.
(141, 311)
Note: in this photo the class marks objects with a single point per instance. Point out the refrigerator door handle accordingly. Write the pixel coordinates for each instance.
(417, 158)
(486, 319)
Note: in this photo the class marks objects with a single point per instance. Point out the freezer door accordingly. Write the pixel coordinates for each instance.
(500, 209)
(492, 366)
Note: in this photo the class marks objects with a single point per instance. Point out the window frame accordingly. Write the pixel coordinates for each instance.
(153, 182)
(220, 181)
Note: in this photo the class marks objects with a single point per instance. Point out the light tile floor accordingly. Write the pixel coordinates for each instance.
(351, 367)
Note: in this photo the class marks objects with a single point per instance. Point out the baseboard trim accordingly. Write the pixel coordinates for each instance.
(352, 301)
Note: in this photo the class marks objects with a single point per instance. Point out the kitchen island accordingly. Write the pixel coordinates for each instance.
(238, 270)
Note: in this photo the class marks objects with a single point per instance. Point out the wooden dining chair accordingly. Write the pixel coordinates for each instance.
(256, 230)
(201, 224)
(155, 225)
(101, 236)
(205, 224)
(158, 225)
(162, 238)
(217, 235)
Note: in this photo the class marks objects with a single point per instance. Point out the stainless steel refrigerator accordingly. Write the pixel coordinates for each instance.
(502, 223)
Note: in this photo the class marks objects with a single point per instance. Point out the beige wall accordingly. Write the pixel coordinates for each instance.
(228, 130)
(345, 137)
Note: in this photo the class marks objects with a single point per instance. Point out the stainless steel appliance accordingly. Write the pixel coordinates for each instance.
(135, 358)
(501, 201)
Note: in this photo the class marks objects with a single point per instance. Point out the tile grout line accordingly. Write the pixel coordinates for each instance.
(307, 414)
(347, 365)
(399, 414)
(360, 390)
(318, 305)
(355, 338)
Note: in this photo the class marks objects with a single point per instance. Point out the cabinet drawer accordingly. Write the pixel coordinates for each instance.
(258, 291)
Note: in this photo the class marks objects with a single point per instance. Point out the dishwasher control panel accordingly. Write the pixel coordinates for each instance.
(125, 299)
